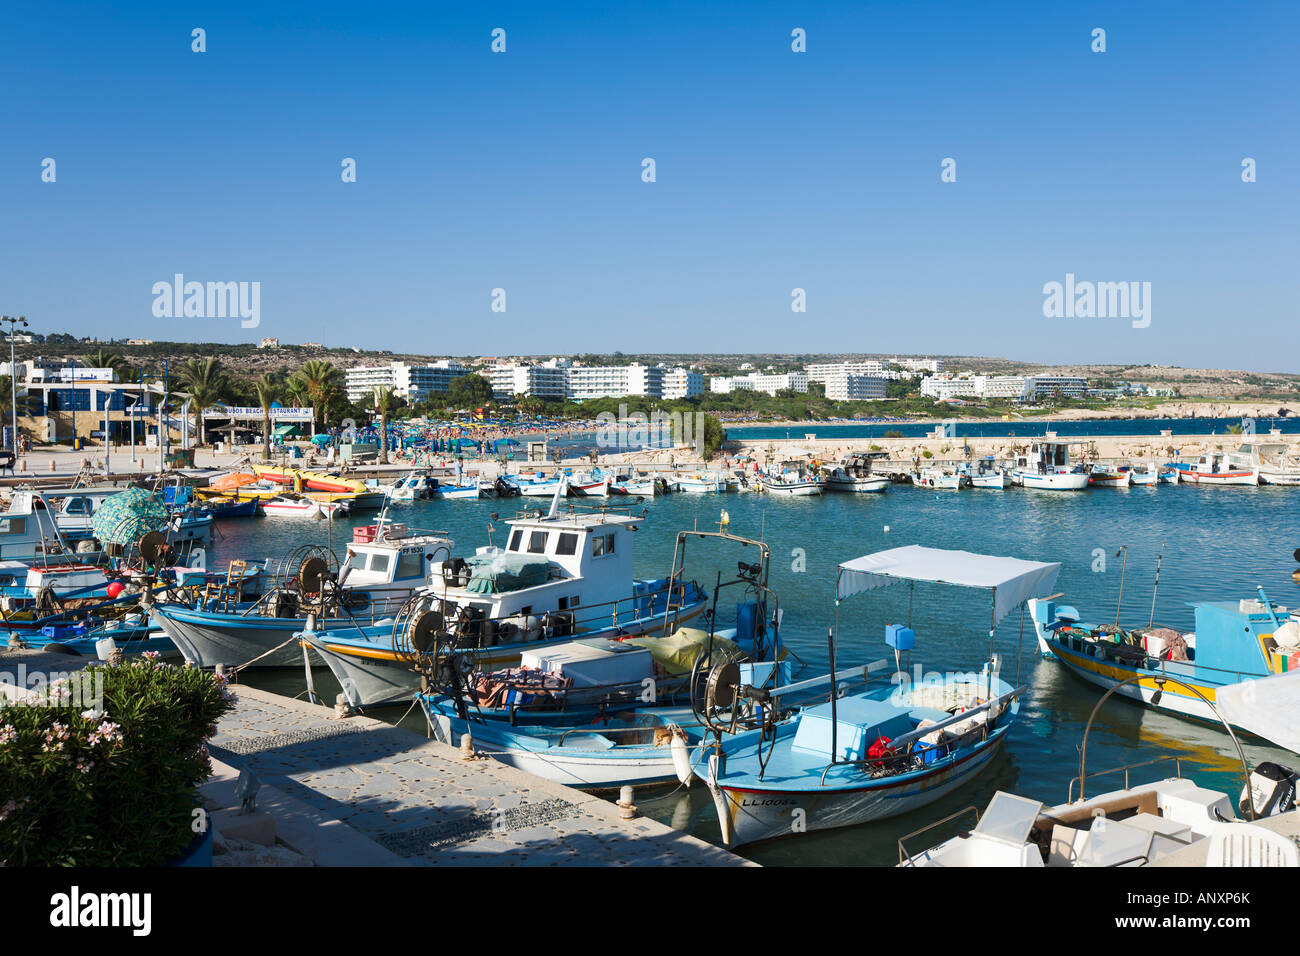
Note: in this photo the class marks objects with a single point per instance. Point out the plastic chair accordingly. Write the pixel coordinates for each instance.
(1245, 844)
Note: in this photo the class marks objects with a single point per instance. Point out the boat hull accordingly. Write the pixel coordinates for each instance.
(371, 674)
(751, 815)
(586, 769)
(1053, 481)
(208, 641)
(858, 485)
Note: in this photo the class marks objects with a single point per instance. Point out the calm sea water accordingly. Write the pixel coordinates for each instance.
(1218, 543)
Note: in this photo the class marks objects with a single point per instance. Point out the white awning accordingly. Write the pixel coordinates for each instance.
(1010, 579)
(1266, 707)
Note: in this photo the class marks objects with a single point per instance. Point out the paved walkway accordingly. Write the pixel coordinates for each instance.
(419, 800)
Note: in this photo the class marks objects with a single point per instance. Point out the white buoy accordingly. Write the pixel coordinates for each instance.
(886, 529)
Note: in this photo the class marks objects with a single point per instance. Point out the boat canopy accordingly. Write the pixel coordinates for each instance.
(1011, 580)
(1265, 706)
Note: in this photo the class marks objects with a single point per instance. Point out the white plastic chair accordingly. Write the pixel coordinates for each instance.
(1245, 844)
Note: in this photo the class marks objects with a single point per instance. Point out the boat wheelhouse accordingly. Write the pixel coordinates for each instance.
(855, 474)
(560, 576)
(1270, 460)
(1048, 466)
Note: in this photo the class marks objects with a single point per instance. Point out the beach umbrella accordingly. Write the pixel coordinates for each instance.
(127, 516)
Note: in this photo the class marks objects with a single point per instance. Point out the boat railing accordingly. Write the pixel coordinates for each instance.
(903, 757)
(1178, 770)
(905, 858)
(1193, 666)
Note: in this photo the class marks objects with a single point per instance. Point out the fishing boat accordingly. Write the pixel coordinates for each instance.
(384, 566)
(539, 485)
(630, 747)
(229, 507)
(28, 532)
(599, 713)
(886, 749)
(854, 474)
(298, 506)
(593, 484)
(647, 486)
(1214, 469)
(1143, 474)
(411, 487)
(1168, 475)
(560, 577)
(1048, 466)
(1104, 476)
(468, 488)
(983, 473)
(1232, 642)
(700, 483)
(791, 478)
(323, 486)
(939, 478)
(1269, 459)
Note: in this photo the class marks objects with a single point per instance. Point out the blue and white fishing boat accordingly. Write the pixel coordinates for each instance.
(700, 483)
(560, 577)
(880, 751)
(380, 572)
(646, 486)
(1232, 643)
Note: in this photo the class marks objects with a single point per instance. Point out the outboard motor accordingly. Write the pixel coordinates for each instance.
(1272, 791)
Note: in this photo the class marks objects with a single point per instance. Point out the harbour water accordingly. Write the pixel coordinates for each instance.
(1218, 543)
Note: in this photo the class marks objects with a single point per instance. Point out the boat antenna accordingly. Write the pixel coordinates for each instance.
(1124, 567)
(1156, 589)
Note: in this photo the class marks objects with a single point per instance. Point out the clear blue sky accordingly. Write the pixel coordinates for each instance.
(775, 170)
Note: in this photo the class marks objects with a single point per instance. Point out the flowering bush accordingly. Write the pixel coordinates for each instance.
(109, 785)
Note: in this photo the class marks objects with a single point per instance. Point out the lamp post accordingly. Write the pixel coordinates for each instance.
(13, 321)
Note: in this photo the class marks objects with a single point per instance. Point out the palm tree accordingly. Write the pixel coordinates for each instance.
(102, 359)
(26, 401)
(383, 405)
(206, 381)
(266, 396)
(324, 386)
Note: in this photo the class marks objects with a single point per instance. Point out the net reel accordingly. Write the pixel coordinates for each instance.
(315, 580)
(425, 641)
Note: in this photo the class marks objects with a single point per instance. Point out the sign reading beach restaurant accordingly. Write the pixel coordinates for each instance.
(255, 413)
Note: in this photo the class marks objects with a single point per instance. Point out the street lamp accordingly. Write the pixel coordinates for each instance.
(13, 374)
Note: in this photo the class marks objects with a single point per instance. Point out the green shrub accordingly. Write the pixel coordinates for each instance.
(117, 787)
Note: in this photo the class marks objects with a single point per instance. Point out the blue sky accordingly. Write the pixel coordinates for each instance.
(775, 170)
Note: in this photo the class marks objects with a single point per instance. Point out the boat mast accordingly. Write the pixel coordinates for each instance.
(1123, 568)
(1155, 590)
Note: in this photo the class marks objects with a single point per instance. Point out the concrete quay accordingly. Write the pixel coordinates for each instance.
(418, 802)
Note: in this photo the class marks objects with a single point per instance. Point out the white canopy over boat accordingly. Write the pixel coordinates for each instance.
(1266, 706)
(1011, 580)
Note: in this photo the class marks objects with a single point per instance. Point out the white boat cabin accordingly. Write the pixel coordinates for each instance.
(551, 570)
(1048, 457)
(388, 557)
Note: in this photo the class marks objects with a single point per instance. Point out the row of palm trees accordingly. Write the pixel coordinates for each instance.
(319, 384)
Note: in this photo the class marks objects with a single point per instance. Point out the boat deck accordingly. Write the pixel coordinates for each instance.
(419, 800)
